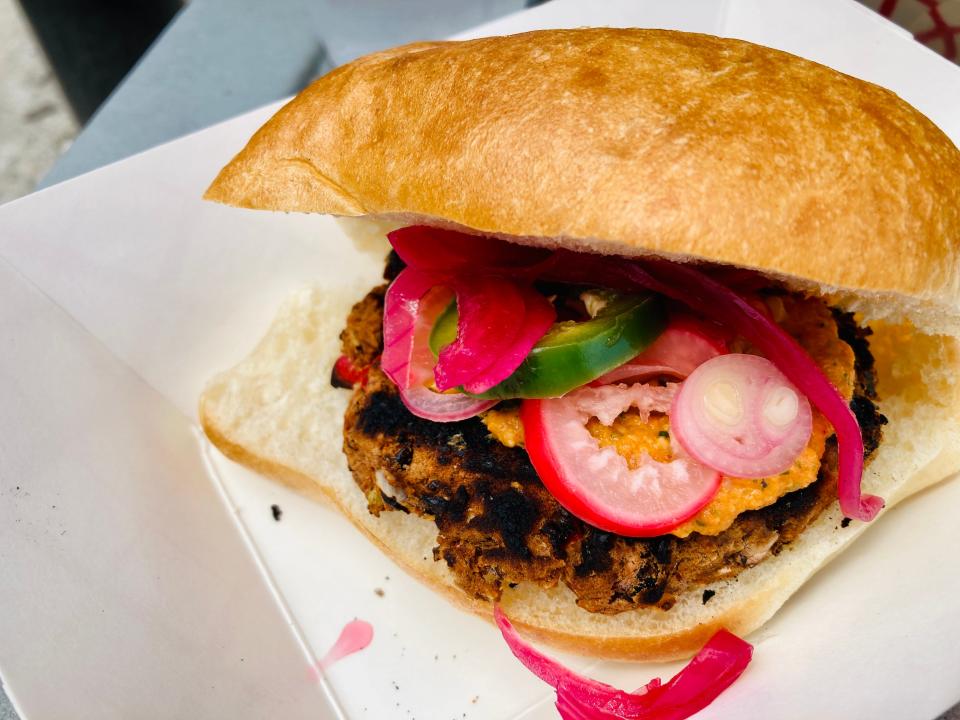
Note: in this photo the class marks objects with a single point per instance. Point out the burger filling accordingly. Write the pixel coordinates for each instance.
(501, 522)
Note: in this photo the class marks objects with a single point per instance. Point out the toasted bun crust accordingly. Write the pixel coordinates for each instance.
(633, 141)
(275, 413)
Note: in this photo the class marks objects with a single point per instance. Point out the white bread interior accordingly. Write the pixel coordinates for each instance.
(277, 413)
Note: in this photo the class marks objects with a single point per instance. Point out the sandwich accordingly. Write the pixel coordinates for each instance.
(666, 322)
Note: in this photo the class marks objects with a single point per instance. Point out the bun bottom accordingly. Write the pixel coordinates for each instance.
(276, 413)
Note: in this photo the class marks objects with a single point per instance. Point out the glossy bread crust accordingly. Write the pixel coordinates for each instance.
(633, 141)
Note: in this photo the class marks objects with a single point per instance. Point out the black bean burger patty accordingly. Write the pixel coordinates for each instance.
(497, 523)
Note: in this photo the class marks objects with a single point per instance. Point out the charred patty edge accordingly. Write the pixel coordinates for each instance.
(498, 525)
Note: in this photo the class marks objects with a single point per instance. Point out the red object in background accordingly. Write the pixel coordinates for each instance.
(927, 20)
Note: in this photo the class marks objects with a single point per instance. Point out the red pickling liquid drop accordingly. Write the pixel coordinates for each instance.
(354, 637)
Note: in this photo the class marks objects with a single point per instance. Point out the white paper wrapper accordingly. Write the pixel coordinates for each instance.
(144, 576)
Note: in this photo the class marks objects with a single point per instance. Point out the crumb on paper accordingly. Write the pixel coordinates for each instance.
(277, 512)
(474, 699)
(378, 592)
(845, 522)
(707, 594)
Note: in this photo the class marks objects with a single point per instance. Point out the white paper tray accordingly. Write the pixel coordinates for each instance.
(144, 576)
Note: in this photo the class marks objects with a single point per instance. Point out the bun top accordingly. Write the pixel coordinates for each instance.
(633, 142)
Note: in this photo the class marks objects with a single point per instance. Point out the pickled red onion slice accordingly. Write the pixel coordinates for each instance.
(499, 321)
(500, 316)
(403, 307)
(718, 664)
(682, 347)
(488, 308)
(449, 251)
(412, 304)
(681, 282)
(739, 415)
(705, 295)
(539, 315)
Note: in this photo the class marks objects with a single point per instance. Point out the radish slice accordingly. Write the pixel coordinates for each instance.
(679, 281)
(683, 346)
(741, 416)
(718, 664)
(411, 306)
(724, 305)
(705, 295)
(595, 483)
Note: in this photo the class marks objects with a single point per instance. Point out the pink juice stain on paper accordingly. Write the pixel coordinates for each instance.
(354, 637)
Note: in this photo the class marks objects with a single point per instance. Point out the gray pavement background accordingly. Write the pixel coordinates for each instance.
(6, 709)
(220, 58)
(36, 123)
